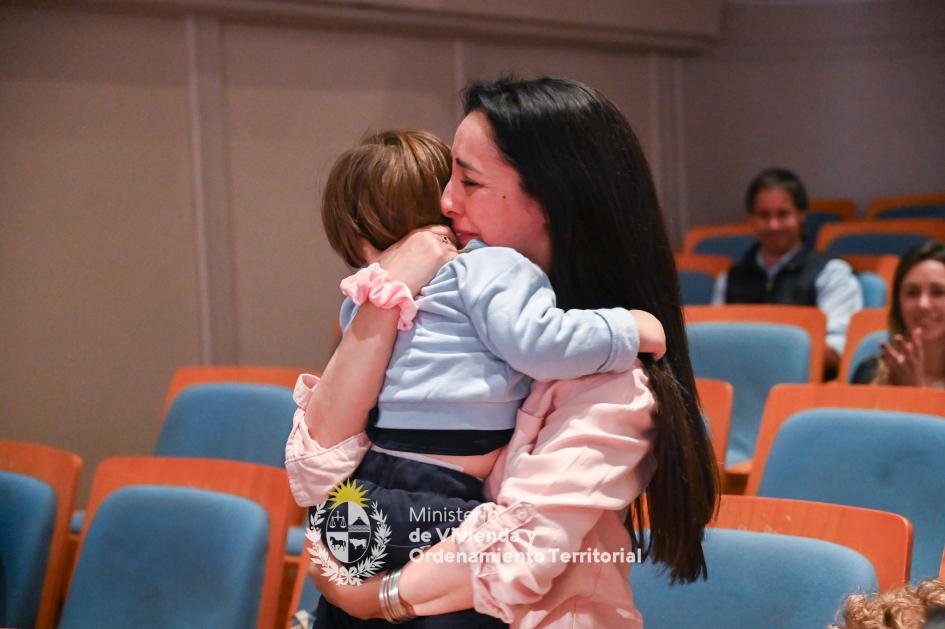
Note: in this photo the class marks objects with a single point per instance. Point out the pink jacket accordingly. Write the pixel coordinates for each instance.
(580, 454)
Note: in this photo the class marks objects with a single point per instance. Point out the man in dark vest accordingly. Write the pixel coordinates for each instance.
(782, 269)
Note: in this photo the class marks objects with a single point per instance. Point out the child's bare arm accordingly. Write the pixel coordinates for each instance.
(352, 381)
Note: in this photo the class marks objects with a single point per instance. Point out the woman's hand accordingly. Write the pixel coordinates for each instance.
(361, 601)
(416, 258)
(905, 360)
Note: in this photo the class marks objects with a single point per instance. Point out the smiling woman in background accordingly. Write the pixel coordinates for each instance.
(915, 353)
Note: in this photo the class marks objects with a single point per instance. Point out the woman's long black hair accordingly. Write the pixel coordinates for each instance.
(577, 155)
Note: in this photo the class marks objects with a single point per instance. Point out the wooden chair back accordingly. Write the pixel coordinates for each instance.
(930, 228)
(716, 398)
(844, 207)
(201, 374)
(811, 319)
(61, 470)
(697, 234)
(862, 323)
(884, 538)
(702, 263)
(267, 486)
(788, 399)
(883, 266)
(880, 205)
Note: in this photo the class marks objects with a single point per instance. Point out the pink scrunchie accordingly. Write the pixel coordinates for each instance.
(371, 284)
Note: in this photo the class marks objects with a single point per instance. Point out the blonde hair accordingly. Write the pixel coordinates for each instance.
(904, 607)
(379, 191)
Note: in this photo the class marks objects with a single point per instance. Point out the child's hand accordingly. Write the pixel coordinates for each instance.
(416, 258)
(652, 337)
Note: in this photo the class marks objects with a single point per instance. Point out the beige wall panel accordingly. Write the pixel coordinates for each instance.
(627, 78)
(690, 17)
(622, 77)
(295, 99)
(848, 96)
(96, 229)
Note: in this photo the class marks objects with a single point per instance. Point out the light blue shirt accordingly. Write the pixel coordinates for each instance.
(487, 325)
(839, 294)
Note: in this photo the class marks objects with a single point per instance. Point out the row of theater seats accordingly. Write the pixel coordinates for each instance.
(858, 466)
(698, 272)
(782, 436)
(204, 533)
(780, 563)
(808, 451)
(866, 446)
(879, 464)
(871, 246)
(782, 433)
(833, 227)
(755, 347)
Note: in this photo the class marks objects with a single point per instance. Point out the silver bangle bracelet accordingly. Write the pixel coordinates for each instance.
(384, 598)
(395, 610)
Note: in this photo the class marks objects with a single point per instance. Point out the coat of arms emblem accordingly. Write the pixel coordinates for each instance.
(342, 528)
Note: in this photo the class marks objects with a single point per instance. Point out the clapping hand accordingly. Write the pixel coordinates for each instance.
(904, 359)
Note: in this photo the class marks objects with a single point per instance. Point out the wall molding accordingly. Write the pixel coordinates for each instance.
(827, 32)
(667, 145)
(219, 338)
(807, 50)
(424, 19)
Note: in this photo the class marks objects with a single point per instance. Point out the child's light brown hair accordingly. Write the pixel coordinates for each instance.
(382, 189)
(904, 607)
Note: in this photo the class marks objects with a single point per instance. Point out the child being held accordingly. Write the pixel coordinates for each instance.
(485, 327)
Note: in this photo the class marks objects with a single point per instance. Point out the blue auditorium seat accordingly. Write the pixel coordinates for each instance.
(755, 580)
(883, 460)
(27, 513)
(753, 357)
(161, 556)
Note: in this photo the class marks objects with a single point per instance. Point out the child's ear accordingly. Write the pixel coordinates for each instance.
(368, 252)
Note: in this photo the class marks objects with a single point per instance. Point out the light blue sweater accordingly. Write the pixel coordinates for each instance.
(487, 325)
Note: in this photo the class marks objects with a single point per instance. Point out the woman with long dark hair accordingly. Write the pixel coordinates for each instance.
(552, 169)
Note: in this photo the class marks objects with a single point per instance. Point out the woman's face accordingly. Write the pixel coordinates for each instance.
(922, 299)
(484, 197)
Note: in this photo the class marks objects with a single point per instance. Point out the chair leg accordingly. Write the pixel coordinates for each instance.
(71, 551)
(734, 482)
(290, 574)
